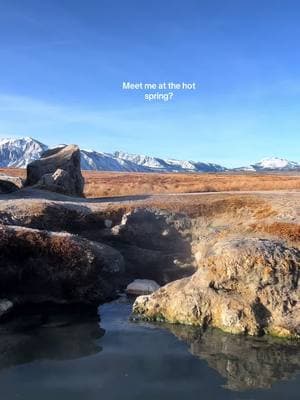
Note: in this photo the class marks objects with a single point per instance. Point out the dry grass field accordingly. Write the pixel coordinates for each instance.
(107, 184)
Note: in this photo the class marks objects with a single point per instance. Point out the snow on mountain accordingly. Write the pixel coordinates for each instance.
(275, 163)
(209, 167)
(192, 166)
(150, 163)
(92, 160)
(182, 165)
(249, 168)
(169, 165)
(18, 153)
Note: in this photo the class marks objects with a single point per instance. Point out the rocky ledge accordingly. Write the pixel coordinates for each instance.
(39, 266)
(10, 184)
(222, 259)
(243, 286)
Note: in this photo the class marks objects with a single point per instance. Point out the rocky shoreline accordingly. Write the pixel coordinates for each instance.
(226, 260)
(245, 286)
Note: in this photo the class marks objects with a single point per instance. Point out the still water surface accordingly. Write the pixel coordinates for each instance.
(67, 358)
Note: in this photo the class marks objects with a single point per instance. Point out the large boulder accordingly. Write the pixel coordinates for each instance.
(243, 286)
(57, 170)
(38, 266)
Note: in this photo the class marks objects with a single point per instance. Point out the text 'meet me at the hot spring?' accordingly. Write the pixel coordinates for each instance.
(159, 91)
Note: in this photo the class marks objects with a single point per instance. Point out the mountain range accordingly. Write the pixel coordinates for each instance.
(17, 153)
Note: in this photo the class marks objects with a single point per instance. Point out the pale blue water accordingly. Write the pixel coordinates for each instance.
(73, 358)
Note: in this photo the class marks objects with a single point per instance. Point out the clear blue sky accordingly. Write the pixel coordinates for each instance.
(62, 64)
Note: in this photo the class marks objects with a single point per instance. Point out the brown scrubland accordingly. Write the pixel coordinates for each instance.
(107, 184)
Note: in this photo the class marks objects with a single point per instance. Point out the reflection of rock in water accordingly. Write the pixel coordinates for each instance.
(246, 362)
(59, 337)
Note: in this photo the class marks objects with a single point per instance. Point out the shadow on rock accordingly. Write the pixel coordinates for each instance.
(7, 186)
(154, 244)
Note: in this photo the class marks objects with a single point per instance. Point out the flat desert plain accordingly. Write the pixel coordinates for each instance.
(108, 184)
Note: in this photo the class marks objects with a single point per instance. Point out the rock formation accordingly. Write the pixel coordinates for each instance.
(39, 266)
(9, 184)
(242, 286)
(142, 286)
(242, 249)
(154, 244)
(57, 170)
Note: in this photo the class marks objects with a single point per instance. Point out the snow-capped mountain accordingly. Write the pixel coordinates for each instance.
(275, 163)
(151, 163)
(18, 153)
(271, 164)
(93, 160)
(168, 165)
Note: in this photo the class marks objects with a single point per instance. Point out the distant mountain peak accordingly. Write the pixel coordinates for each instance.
(18, 152)
(276, 163)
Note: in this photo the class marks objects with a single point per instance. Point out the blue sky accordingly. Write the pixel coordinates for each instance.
(63, 63)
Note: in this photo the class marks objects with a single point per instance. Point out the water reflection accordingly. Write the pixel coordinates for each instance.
(53, 337)
(245, 362)
(68, 357)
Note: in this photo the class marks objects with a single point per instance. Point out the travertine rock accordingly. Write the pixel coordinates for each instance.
(57, 170)
(243, 286)
(37, 266)
(142, 286)
(9, 184)
(60, 181)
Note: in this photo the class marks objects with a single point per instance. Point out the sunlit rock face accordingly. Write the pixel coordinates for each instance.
(57, 170)
(243, 286)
